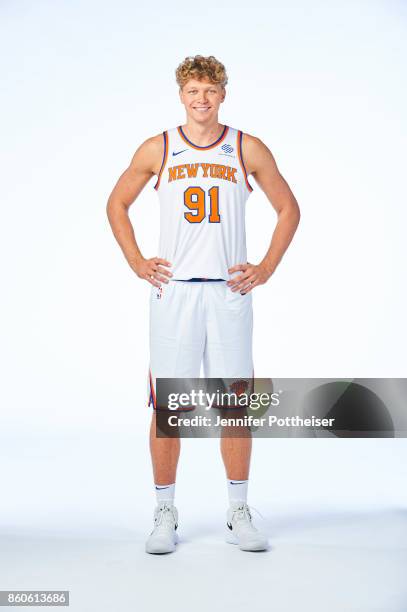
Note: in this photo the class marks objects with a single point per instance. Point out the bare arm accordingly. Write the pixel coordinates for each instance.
(261, 164)
(145, 163)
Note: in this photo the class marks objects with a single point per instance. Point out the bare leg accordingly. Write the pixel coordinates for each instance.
(164, 455)
(236, 447)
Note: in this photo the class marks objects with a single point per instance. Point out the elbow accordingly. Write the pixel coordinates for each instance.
(292, 212)
(298, 214)
(110, 210)
(295, 212)
(113, 206)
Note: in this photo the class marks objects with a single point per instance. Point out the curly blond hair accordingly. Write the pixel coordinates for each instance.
(199, 67)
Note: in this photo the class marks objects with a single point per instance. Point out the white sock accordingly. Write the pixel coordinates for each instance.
(165, 493)
(237, 490)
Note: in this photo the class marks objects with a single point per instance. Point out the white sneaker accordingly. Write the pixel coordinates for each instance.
(164, 537)
(240, 529)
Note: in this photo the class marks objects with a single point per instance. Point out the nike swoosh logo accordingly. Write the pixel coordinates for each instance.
(237, 482)
(178, 152)
(161, 488)
(230, 526)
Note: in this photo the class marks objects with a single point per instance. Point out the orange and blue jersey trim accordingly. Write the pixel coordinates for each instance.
(194, 146)
(165, 155)
(240, 154)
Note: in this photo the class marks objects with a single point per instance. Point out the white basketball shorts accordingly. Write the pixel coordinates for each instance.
(194, 323)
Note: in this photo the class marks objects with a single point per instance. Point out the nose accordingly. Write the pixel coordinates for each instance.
(203, 98)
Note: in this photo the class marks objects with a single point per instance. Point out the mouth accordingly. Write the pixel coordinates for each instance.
(201, 109)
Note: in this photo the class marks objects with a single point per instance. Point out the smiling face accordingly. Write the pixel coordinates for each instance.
(202, 99)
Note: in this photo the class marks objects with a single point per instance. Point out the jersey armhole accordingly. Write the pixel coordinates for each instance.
(240, 155)
(165, 155)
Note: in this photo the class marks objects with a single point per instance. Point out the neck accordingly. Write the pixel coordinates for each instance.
(202, 134)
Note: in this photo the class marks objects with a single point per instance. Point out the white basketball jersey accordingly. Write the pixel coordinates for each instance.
(202, 193)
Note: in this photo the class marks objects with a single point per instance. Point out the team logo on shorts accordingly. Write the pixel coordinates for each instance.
(159, 293)
(239, 387)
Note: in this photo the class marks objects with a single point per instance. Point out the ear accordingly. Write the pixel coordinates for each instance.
(224, 94)
(180, 95)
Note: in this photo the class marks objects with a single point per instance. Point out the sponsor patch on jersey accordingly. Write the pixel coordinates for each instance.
(227, 148)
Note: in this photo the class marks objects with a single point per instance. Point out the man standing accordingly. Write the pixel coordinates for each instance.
(201, 302)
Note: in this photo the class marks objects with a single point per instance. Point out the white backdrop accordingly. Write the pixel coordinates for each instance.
(83, 84)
